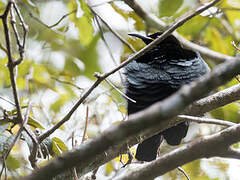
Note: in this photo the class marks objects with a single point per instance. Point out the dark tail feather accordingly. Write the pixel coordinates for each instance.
(147, 150)
(175, 134)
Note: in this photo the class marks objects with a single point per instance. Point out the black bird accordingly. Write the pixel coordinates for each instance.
(156, 75)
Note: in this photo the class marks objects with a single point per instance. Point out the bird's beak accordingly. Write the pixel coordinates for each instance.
(147, 40)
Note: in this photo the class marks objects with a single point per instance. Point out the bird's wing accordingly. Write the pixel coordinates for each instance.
(184, 72)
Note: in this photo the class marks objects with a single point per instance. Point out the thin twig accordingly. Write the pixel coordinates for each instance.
(74, 170)
(184, 173)
(238, 49)
(114, 32)
(67, 82)
(106, 44)
(36, 146)
(10, 102)
(207, 120)
(85, 126)
(21, 47)
(235, 46)
(118, 90)
(55, 24)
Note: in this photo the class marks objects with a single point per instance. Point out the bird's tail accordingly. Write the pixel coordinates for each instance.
(175, 134)
(147, 150)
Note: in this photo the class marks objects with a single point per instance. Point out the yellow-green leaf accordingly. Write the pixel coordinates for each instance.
(60, 144)
(168, 8)
(34, 123)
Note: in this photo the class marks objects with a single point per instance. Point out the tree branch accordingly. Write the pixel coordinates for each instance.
(206, 120)
(150, 120)
(11, 66)
(205, 147)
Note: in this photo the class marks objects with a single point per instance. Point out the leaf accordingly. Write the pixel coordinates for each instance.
(168, 8)
(71, 68)
(139, 24)
(88, 55)
(84, 23)
(56, 150)
(34, 123)
(31, 5)
(122, 109)
(193, 169)
(109, 168)
(193, 28)
(223, 44)
(229, 112)
(13, 163)
(60, 144)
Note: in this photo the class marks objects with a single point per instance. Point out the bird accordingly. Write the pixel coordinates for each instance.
(156, 75)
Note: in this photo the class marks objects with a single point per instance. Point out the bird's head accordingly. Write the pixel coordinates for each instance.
(148, 39)
(169, 48)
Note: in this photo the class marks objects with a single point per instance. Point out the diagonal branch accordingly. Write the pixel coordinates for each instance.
(206, 120)
(208, 146)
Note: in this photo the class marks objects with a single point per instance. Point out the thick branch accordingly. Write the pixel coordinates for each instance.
(206, 147)
(140, 122)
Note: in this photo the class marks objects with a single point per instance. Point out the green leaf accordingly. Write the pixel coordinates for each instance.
(56, 150)
(193, 28)
(31, 5)
(88, 55)
(228, 113)
(168, 8)
(13, 163)
(139, 24)
(84, 23)
(223, 44)
(71, 68)
(34, 123)
(60, 144)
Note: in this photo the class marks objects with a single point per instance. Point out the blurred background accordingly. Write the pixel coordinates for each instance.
(68, 41)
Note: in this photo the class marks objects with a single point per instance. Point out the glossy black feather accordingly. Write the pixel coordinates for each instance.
(156, 75)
